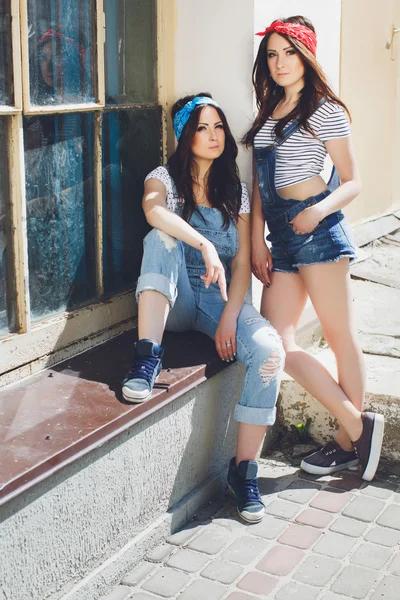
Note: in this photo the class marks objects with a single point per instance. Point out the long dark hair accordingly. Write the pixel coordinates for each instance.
(223, 187)
(269, 93)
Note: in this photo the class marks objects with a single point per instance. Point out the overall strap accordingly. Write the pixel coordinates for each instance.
(292, 127)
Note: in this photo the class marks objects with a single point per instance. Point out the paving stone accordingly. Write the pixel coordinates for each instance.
(333, 596)
(394, 566)
(283, 509)
(364, 509)
(317, 570)
(346, 481)
(371, 556)
(166, 582)
(258, 583)
(350, 527)
(355, 582)
(334, 545)
(211, 541)
(121, 592)
(230, 521)
(300, 536)
(379, 489)
(188, 560)
(203, 588)
(160, 553)
(331, 501)
(297, 591)
(139, 573)
(239, 596)
(390, 517)
(300, 491)
(269, 528)
(315, 518)
(180, 538)
(314, 478)
(143, 596)
(280, 560)
(245, 549)
(388, 589)
(222, 571)
(206, 513)
(383, 536)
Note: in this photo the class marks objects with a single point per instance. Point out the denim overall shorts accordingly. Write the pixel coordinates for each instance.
(330, 241)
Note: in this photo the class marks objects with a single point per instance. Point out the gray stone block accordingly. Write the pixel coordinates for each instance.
(355, 582)
(383, 536)
(317, 570)
(388, 589)
(188, 560)
(364, 509)
(300, 491)
(211, 541)
(283, 509)
(204, 589)
(121, 592)
(166, 582)
(180, 538)
(297, 591)
(245, 549)
(394, 566)
(142, 596)
(160, 553)
(371, 556)
(269, 528)
(390, 517)
(222, 571)
(334, 545)
(379, 489)
(347, 526)
(139, 573)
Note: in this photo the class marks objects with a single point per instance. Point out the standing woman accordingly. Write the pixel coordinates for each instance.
(299, 121)
(195, 274)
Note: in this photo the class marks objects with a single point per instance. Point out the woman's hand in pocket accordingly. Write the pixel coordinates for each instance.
(307, 220)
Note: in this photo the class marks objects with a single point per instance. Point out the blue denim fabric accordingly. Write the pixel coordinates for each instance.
(173, 268)
(330, 241)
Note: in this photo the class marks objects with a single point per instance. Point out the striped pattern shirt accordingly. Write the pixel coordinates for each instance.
(302, 156)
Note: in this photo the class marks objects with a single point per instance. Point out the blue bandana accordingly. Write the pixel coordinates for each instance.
(183, 115)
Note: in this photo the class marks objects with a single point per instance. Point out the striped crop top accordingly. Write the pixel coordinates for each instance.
(302, 156)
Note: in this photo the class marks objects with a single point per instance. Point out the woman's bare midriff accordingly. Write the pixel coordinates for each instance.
(304, 189)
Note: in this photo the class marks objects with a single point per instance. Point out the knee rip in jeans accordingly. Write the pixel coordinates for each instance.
(270, 369)
(169, 242)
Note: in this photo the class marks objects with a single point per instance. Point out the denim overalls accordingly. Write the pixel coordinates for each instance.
(173, 268)
(330, 241)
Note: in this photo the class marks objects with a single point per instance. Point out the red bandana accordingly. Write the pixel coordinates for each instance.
(305, 35)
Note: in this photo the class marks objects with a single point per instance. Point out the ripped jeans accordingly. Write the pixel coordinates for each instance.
(171, 267)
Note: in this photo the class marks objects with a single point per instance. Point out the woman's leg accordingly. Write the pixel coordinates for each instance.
(329, 287)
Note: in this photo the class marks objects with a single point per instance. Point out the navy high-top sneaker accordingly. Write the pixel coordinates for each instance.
(146, 365)
(242, 481)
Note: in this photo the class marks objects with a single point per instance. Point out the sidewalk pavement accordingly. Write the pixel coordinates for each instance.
(327, 538)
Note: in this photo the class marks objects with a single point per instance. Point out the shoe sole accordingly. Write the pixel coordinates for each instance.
(135, 399)
(257, 520)
(376, 447)
(315, 470)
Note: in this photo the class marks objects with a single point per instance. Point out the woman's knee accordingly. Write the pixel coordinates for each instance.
(270, 356)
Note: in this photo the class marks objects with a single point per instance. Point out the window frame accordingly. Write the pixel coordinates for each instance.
(34, 346)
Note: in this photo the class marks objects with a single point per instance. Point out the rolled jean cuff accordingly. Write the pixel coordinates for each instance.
(255, 416)
(157, 282)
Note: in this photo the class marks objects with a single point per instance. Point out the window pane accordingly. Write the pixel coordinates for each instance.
(6, 90)
(61, 55)
(6, 278)
(59, 193)
(131, 149)
(131, 56)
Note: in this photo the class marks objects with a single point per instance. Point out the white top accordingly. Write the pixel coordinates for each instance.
(161, 173)
(301, 156)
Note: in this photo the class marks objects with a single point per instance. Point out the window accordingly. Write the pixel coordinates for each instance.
(81, 125)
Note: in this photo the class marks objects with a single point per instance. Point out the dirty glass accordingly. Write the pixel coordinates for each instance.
(130, 51)
(6, 81)
(131, 149)
(61, 51)
(6, 278)
(60, 223)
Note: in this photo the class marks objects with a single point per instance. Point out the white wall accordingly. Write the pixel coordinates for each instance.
(214, 47)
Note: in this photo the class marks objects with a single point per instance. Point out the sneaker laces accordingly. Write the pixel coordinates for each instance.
(143, 368)
(329, 448)
(249, 491)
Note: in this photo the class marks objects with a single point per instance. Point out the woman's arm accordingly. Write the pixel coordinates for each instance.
(261, 259)
(159, 216)
(241, 271)
(342, 154)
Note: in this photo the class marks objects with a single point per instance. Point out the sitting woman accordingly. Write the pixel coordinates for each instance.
(200, 214)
